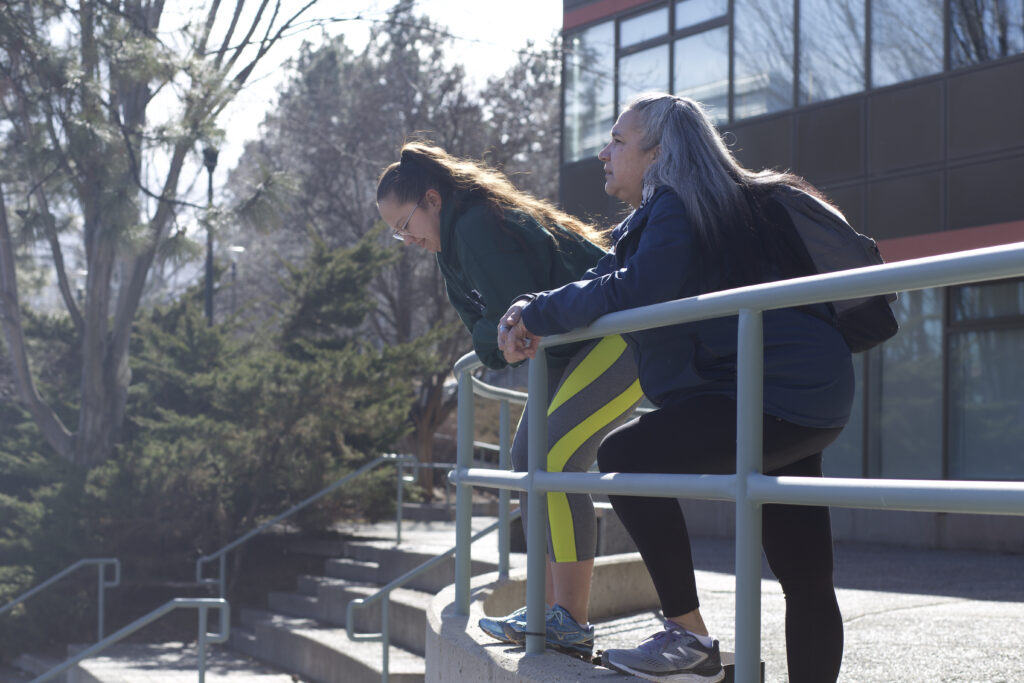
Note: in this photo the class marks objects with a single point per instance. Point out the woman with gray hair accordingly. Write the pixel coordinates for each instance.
(702, 223)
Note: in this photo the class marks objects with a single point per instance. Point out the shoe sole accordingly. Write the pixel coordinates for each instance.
(552, 645)
(566, 650)
(500, 639)
(681, 677)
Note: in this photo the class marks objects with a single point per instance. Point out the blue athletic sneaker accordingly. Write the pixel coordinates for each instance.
(562, 633)
(673, 655)
(495, 628)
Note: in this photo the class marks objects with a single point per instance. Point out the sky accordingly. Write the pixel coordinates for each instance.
(487, 38)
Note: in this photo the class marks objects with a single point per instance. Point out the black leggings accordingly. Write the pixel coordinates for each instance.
(698, 436)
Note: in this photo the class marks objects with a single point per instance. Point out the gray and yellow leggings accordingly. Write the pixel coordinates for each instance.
(588, 398)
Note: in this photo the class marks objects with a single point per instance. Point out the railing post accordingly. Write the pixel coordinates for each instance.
(537, 502)
(101, 606)
(749, 459)
(201, 644)
(385, 636)
(503, 494)
(222, 566)
(400, 471)
(463, 493)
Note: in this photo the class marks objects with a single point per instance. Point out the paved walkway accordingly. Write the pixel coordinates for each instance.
(172, 663)
(911, 617)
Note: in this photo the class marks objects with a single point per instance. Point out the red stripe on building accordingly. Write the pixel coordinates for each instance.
(935, 243)
(596, 11)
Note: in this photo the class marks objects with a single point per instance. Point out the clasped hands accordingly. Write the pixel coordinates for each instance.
(515, 341)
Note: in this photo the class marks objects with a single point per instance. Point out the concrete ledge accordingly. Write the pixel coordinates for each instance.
(459, 651)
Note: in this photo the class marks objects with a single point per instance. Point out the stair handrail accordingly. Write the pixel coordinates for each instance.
(384, 595)
(203, 638)
(221, 554)
(102, 563)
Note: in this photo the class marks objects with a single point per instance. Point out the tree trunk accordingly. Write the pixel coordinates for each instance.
(428, 417)
(53, 430)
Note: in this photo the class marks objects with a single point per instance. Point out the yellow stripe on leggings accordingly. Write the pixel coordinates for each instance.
(563, 540)
(600, 358)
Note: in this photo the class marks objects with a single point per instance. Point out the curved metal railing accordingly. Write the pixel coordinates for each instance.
(749, 488)
(102, 563)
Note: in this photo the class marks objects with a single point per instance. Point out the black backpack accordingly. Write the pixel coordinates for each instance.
(821, 238)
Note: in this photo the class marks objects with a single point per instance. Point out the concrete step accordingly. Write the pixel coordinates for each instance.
(244, 641)
(325, 654)
(317, 547)
(27, 666)
(173, 663)
(394, 562)
(362, 571)
(445, 512)
(407, 610)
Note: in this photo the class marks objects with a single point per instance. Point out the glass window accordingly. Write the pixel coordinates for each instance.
(845, 456)
(763, 57)
(905, 424)
(693, 12)
(831, 49)
(643, 27)
(906, 40)
(702, 70)
(989, 300)
(589, 90)
(986, 405)
(981, 30)
(642, 71)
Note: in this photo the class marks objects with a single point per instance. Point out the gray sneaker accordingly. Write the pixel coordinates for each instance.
(673, 655)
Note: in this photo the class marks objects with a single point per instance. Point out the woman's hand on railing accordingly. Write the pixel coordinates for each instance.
(515, 341)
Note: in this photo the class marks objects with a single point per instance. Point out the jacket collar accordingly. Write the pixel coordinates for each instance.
(639, 214)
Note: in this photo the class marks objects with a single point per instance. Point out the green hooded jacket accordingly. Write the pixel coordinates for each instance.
(488, 258)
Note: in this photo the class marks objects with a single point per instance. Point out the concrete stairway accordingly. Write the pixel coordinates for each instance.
(303, 632)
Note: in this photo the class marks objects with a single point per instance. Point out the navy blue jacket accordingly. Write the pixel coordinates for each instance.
(808, 367)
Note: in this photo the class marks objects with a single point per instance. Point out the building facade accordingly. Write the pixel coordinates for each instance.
(909, 115)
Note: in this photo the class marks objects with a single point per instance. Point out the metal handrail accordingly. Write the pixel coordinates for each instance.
(384, 595)
(201, 604)
(221, 554)
(103, 584)
(749, 488)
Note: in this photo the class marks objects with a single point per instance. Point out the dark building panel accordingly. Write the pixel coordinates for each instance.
(763, 144)
(905, 127)
(829, 144)
(986, 110)
(906, 206)
(985, 193)
(850, 200)
(582, 192)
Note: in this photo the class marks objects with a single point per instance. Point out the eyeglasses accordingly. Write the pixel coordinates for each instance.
(400, 233)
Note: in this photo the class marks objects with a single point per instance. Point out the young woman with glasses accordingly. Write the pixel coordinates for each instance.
(492, 243)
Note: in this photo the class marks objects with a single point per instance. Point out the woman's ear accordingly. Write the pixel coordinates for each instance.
(432, 198)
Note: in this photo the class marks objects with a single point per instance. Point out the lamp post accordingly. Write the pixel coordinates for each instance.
(210, 161)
